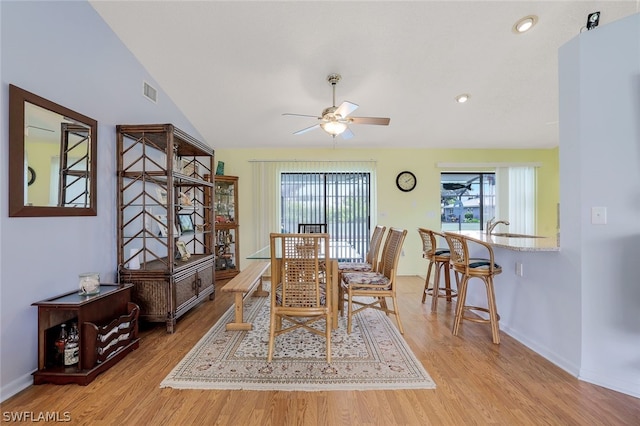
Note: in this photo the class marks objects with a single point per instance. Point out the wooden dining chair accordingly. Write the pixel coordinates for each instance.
(378, 284)
(370, 261)
(299, 291)
(312, 228)
(438, 258)
(468, 267)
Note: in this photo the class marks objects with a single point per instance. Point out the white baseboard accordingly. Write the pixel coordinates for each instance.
(18, 385)
(618, 384)
(544, 352)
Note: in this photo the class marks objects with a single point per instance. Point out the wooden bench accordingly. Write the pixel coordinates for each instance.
(241, 285)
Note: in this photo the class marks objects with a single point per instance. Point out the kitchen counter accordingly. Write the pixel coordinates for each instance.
(514, 243)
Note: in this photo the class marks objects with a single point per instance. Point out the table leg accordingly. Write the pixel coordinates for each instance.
(335, 282)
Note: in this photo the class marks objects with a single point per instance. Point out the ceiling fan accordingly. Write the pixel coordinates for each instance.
(335, 119)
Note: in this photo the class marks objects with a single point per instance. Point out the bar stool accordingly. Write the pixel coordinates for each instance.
(439, 258)
(484, 268)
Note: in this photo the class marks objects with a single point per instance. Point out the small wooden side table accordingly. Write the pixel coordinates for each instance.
(108, 325)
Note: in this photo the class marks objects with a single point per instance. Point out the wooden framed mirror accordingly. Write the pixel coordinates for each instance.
(52, 158)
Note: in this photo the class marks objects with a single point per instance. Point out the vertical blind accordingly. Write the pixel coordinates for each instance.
(338, 193)
(516, 199)
(341, 200)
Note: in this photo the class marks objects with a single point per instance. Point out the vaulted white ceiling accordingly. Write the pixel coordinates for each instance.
(234, 67)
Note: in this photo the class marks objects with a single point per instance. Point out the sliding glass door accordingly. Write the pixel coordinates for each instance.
(342, 200)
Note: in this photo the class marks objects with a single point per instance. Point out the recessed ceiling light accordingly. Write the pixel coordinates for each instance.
(525, 24)
(462, 98)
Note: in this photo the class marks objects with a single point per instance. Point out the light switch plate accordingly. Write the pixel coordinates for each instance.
(599, 215)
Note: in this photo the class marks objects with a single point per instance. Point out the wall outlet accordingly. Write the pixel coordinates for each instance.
(519, 269)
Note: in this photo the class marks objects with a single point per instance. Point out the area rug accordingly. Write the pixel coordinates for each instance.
(373, 356)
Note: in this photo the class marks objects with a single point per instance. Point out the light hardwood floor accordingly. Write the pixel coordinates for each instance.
(477, 383)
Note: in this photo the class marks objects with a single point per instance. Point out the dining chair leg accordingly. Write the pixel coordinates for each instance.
(383, 304)
(328, 336)
(349, 311)
(272, 336)
(397, 314)
(426, 282)
(462, 297)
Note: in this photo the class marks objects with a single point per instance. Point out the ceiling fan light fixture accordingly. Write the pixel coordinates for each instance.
(462, 98)
(334, 128)
(525, 24)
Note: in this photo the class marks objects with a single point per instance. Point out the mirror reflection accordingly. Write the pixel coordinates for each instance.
(52, 158)
(56, 159)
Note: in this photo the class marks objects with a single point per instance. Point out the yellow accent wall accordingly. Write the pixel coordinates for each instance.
(418, 208)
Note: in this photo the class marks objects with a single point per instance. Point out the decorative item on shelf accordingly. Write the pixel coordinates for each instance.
(134, 262)
(162, 195)
(220, 169)
(185, 200)
(60, 343)
(162, 226)
(186, 223)
(220, 219)
(182, 249)
(89, 283)
(72, 347)
(189, 168)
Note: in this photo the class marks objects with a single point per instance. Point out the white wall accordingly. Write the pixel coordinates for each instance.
(600, 166)
(63, 51)
(580, 307)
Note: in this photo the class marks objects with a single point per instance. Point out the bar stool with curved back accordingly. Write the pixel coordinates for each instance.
(377, 284)
(468, 267)
(299, 290)
(439, 258)
(370, 262)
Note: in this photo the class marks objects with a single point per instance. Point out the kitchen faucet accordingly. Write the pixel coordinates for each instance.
(491, 224)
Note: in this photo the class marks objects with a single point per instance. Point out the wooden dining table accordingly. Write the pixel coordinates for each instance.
(338, 251)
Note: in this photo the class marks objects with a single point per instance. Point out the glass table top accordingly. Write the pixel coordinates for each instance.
(340, 250)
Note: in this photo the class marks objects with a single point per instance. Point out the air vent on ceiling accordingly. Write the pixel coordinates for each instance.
(150, 92)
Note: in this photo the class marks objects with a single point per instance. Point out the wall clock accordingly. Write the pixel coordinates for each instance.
(31, 176)
(406, 181)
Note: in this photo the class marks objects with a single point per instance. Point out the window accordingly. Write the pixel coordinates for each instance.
(467, 200)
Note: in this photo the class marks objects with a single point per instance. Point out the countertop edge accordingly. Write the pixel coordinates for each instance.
(539, 244)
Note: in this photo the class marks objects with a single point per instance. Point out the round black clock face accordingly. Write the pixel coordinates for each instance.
(406, 181)
(31, 176)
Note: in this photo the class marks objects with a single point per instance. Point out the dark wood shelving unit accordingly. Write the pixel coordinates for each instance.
(165, 220)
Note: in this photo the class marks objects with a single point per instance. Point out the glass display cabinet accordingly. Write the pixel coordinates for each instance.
(226, 226)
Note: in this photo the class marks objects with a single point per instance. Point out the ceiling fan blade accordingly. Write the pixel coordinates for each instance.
(345, 109)
(302, 115)
(347, 134)
(305, 130)
(382, 121)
